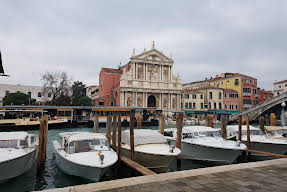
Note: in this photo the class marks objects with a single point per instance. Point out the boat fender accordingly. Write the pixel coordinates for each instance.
(101, 157)
(238, 143)
(171, 148)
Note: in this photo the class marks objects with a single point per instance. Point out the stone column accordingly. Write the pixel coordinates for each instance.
(159, 102)
(144, 65)
(136, 99)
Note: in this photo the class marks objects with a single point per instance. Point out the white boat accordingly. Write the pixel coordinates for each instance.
(267, 142)
(84, 154)
(18, 153)
(205, 144)
(151, 149)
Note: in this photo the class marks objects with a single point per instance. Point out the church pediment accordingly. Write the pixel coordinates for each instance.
(153, 55)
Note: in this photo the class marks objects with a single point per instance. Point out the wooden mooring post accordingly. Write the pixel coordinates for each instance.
(139, 121)
(240, 128)
(161, 124)
(114, 135)
(248, 132)
(272, 119)
(223, 127)
(96, 124)
(179, 122)
(109, 127)
(261, 124)
(43, 134)
(119, 148)
(132, 139)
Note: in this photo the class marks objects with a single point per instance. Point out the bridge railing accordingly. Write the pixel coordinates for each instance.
(260, 105)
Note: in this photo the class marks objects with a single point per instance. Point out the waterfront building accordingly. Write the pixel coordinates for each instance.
(246, 87)
(35, 92)
(211, 99)
(147, 80)
(92, 92)
(279, 87)
(264, 95)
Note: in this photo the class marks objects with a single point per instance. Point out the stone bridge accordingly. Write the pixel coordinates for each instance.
(259, 109)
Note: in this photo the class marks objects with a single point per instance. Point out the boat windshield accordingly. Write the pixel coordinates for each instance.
(88, 145)
(200, 134)
(9, 143)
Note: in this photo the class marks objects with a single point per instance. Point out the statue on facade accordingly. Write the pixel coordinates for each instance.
(174, 102)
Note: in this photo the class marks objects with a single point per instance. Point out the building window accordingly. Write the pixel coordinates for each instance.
(186, 96)
(190, 105)
(201, 105)
(220, 106)
(225, 95)
(49, 95)
(186, 105)
(7, 92)
(236, 95)
(236, 106)
(214, 105)
(193, 96)
(285, 85)
(225, 106)
(101, 103)
(112, 103)
(39, 94)
(194, 105)
(236, 82)
(279, 86)
(201, 96)
(210, 95)
(278, 93)
(209, 105)
(220, 95)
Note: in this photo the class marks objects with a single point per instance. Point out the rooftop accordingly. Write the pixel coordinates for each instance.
(283, 81)
(111, 70)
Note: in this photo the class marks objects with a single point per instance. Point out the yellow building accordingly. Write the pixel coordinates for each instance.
(246, 87)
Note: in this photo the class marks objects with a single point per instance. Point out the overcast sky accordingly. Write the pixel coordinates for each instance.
(205, 38)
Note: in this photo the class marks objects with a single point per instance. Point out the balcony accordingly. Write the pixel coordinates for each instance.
(246, 94)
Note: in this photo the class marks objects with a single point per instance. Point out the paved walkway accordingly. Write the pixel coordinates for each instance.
(264, 176)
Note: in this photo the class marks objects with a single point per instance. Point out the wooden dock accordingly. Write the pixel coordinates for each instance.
(262, 176)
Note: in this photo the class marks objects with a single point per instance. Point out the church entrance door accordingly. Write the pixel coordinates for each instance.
(151, 101)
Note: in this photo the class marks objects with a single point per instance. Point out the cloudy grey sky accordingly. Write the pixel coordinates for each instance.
(204, 37)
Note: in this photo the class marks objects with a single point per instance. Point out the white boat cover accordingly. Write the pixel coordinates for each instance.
(13, 135)
(232, 130)
(86, 136)
(143, 136)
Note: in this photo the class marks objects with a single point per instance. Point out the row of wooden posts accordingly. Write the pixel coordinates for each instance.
(113, 133)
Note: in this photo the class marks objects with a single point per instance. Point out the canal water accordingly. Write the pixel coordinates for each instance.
(52, 177)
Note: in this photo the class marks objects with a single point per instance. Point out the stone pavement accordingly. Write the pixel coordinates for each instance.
(264, 176)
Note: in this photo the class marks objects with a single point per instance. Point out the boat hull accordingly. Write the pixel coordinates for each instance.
(70, 168)
(18, 166)
(206, 153)
(268, 147)
(157, 163)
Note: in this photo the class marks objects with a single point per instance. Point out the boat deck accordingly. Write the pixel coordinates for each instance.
(260, 176)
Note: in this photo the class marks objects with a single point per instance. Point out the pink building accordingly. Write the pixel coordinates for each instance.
(230, 100)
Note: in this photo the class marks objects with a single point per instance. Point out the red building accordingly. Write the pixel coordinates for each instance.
(109, 82)
(264, 95)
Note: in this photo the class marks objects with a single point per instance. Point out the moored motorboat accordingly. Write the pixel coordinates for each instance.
(205, 144)
(84, 154)
(18, 153)
(261, 141)
(151, 149)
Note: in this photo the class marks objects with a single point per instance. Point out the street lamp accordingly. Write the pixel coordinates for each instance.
(283, 114)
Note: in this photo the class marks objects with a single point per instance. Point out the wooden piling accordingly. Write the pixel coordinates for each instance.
(240, 128)
(96, 123)
(248, 133)
(179, 130)
(261, 124)
(109, 127)
(139, 121)
(211, 122)
(161, 124)
(223, 127)
(43, 133)
(114, 135)
(132, 143)
(119, 148)
(272, 119)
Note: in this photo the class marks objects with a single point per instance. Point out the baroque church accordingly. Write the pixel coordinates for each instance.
(146, 80)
